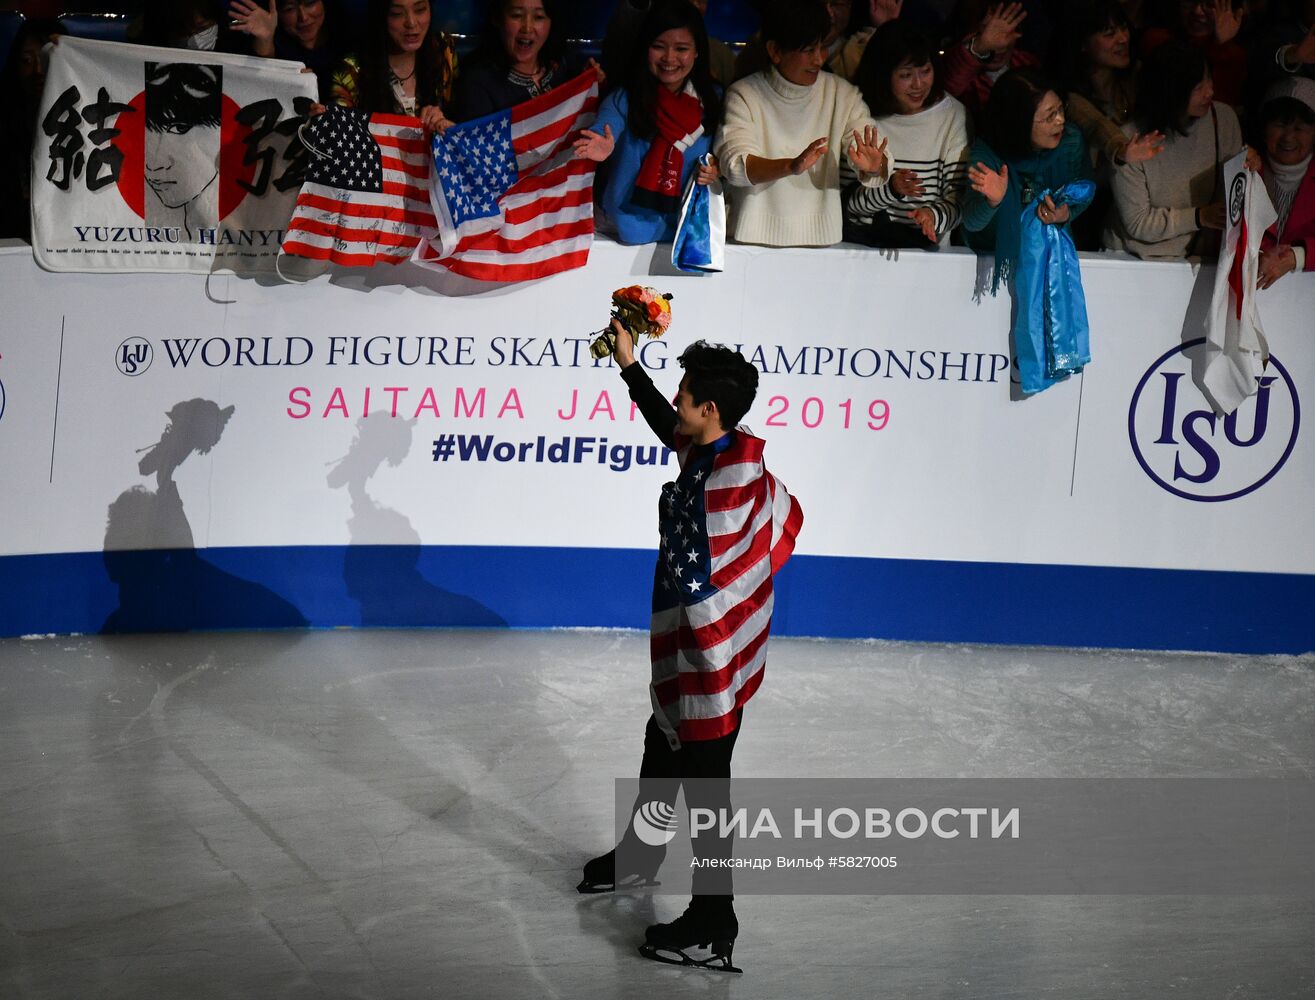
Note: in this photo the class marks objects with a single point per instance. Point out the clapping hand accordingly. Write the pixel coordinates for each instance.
(999, 28)
(926, 220)
(865, 154)
(592, 146)
(1228, 22)
(1052, 214)
(254, 19)
(1141, 148)
(804, 161)
(990, 184)
(906, 184)
(1274, 264)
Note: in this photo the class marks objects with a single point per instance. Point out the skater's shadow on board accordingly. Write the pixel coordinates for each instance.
(150, 554)
(384, 558)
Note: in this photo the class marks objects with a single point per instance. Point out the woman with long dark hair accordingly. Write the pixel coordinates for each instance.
(900, 81)
(522, 54)
(406, 65)
(1102, 82)
(1173, 205)
(656, 125)
(312, 32)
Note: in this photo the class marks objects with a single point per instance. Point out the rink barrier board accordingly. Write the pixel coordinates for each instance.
(893, 599)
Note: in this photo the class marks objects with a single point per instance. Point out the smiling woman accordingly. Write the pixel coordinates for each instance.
(521, 55)
(405, 66)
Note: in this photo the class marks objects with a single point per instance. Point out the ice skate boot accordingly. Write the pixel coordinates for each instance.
(600, 876)
(708, 925)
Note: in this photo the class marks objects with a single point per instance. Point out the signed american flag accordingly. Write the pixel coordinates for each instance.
(511, 200)
(727, 525)
(365, 197)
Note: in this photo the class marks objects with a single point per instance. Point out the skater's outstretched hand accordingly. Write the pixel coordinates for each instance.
(625, 344)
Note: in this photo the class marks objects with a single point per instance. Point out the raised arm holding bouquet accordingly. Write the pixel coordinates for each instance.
(640, 310)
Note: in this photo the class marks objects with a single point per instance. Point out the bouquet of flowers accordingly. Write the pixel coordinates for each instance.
(640, 310)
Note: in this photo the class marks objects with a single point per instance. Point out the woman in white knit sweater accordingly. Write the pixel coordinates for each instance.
(783, 133)
(920, 205)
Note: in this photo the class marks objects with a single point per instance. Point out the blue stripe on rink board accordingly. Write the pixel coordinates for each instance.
(394, 586)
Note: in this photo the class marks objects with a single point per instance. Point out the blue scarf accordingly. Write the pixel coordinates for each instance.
(1051, 336)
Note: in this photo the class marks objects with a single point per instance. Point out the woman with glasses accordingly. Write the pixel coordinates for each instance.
(306, 31)
(1026, 147)
(1173, 206)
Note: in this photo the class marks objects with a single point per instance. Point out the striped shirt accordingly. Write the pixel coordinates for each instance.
(933, 144)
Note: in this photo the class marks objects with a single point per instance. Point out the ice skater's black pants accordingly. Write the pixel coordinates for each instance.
(704, 768)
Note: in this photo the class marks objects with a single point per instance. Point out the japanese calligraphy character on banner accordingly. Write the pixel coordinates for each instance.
(165, 160)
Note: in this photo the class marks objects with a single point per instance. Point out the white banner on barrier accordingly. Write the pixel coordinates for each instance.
(356, 409)
(165, 160)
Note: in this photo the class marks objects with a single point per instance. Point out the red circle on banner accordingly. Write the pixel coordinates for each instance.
(233, 172)
(131, 142)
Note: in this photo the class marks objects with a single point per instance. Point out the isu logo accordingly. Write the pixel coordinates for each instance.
(1194, 453)
(134, 356)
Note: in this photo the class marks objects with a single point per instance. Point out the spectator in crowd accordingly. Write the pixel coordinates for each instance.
(522, 54)
(974, 65)
(839, 16)
(199, 25)
(1211, 27)
(786, 128)
(1096, 54)
(311, 32)
(920, 205)
(659, 122)
(622, 30)
(406, 66)
(875, 13)
(1287, 47)
(1173, 205)
(1103, 82)
(21, 81)
(1026, 147)
(1288, 114)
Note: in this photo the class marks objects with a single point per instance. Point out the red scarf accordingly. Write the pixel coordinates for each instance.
(679, 126)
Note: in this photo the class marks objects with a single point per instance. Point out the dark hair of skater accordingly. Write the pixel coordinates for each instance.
(714, 373)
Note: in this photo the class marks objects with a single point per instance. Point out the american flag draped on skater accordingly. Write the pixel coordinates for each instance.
(510, 199)
(727, 525)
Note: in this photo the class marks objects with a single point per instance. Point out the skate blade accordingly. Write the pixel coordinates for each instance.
(674, 956)
(587, 888)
